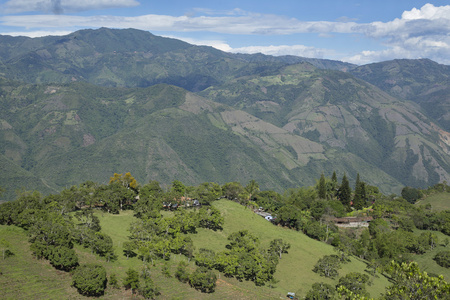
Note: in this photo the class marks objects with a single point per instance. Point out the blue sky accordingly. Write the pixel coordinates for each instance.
(356, 31)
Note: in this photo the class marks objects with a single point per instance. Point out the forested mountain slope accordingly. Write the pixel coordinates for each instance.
(83, 106)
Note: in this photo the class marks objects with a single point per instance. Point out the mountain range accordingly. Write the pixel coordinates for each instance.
(83, 106)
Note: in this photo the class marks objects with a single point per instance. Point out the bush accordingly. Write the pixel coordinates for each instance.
(443, 259)
(181, 273)
(321, 291)
(203, 279)
(148, 289)
(131, 281)
(63, 258)
(90, 279)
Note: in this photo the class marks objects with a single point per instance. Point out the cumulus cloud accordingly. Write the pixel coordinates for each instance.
(418, 33)
(297, 50)
(62, 6)
(218, 44)
(39, 33)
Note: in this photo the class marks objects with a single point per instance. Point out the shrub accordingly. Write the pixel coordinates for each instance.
(443, 259)
(203, 279)
(90, 279)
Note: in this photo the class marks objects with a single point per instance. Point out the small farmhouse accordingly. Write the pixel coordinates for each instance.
(353, 221)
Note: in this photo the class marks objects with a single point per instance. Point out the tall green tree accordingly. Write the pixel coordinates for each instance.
(345, 192)
(359, 200)
(322, 188)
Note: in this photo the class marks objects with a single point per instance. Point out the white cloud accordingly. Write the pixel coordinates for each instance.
(298, 50)
(63, 6)
(419, 33)
(218, 44)
(39, 33)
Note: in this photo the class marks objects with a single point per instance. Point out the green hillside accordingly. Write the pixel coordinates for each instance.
(24, 276)
(438, 201)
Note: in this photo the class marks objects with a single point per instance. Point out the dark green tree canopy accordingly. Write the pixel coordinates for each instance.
(90, 279)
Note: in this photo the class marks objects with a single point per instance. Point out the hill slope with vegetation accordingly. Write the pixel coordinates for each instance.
(122, 238)
(94, 102)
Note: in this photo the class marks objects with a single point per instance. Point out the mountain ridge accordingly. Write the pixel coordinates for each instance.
(205, 115)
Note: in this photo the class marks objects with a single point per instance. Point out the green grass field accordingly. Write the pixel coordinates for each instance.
(438, 201)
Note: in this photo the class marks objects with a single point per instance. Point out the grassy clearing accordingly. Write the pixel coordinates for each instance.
(426, 262)
(438, 201)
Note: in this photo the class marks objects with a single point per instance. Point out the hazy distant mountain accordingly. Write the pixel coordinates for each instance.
(95, 102)
(423, 81)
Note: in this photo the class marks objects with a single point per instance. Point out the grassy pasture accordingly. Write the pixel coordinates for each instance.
(438, 201)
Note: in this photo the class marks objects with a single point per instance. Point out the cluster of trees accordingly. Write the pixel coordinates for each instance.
(202, 279)
(408, 282)
(244, 258)
(53, 228)
(153, 237)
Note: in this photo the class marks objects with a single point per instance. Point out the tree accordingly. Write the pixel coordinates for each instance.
(165, 270)
(243, 239)
(90, 279)
(4, 247)
(102, 244)
(178, 188)
(207, 192)
(321, 291)
(181, 273)
(126, 180)
(252, 189)
(328, 266)
(63, 258)
(279, 246)
(359, 200)
(345, 192)
(355, 282)
(148, 289)
(203, 279)
(148, 206)
(113, 281)
(205, 258)
(322, 188)
(411, 194)
(131, 281)
(128, 248)
(233, 190)
(210, 218)
(410, 283)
